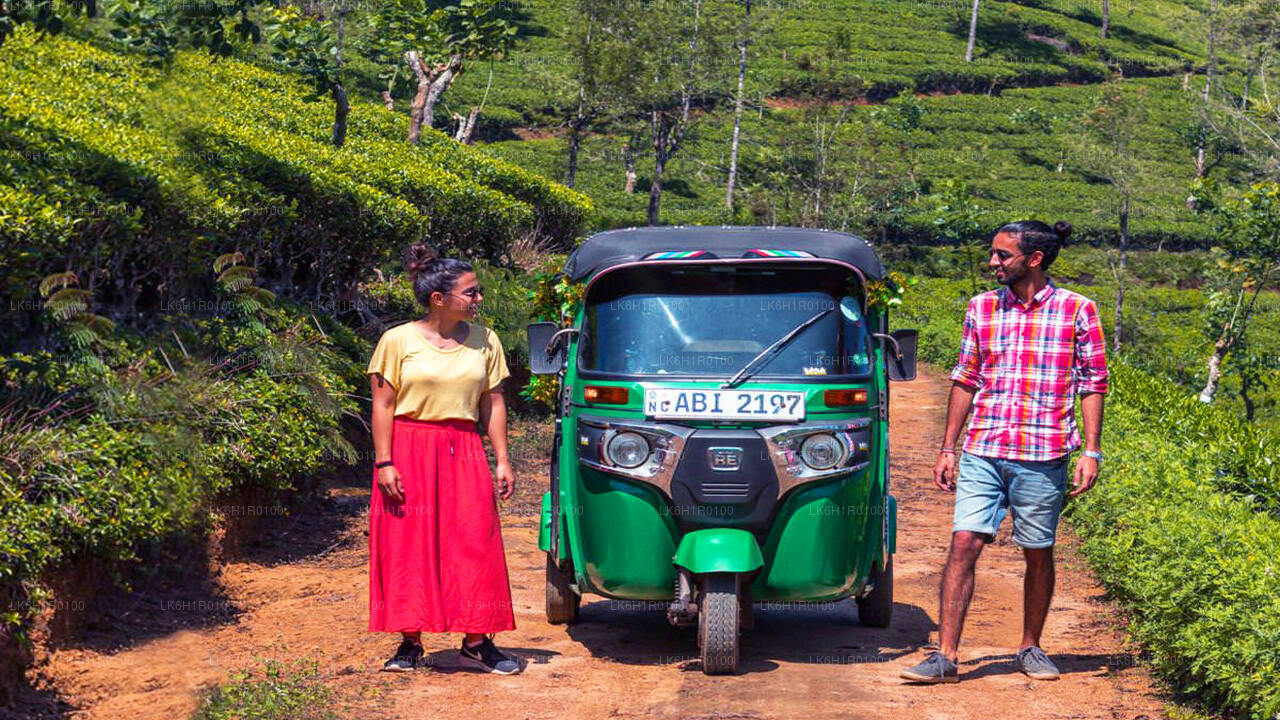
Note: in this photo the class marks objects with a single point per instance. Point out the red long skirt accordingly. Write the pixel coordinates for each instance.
(436, 562)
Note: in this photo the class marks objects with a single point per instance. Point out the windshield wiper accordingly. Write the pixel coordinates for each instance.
(770, 352)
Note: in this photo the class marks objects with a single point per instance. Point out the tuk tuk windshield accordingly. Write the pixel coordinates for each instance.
(712, 320)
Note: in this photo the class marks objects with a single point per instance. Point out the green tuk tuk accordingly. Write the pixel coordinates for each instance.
(721, 430)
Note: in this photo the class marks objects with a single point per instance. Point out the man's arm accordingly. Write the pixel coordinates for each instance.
(966, 378)
(1092, 384)
(958, 404)
(1091, 419)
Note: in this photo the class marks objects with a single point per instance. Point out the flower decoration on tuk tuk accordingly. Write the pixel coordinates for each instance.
(888, 292)
(557, 299)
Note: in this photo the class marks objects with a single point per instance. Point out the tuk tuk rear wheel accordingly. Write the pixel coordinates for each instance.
(562, 601)
(718, 624)
(876, 609)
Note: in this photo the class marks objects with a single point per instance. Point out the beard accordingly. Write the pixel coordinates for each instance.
(1012, 275)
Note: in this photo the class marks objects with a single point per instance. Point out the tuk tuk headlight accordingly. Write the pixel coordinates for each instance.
(627, 449)
(821, 451)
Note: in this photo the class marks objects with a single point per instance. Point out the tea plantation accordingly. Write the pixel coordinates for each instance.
(217, 244)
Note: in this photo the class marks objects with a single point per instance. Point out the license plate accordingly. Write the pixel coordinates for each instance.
(685, 404)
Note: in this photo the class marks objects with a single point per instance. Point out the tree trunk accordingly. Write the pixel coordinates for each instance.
(447, 73)
(973, 32)
(571, 172)
(431, 83)
(737, 114)
(387, 100)
(419, 97)
(629, 159)
(1220, 349)
(467, 126)
(1106, 19)
(661, 128)
(576, 126)
(1246, 389)
(1117, 332)
(1209, 69)
(341, 108)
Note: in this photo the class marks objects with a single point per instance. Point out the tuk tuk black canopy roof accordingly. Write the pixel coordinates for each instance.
(616, 247)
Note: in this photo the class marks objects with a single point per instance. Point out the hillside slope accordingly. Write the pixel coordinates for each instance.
(818, 65)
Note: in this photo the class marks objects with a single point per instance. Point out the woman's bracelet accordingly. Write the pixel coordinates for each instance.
(947, 451)
(384, 463)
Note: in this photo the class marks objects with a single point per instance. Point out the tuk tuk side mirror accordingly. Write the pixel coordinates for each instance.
(547, 348)
(900, 353)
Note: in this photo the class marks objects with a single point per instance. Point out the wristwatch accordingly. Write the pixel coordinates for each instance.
(1092, 454)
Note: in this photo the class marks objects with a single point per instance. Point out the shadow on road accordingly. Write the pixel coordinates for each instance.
(797, 633)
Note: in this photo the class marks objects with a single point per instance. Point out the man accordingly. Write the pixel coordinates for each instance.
(1025, 348)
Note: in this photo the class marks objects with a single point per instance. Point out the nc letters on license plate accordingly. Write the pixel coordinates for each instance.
(723, 404)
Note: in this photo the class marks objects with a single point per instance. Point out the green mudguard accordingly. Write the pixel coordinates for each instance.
(719, 550)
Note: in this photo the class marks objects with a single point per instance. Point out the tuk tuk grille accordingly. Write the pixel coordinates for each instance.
(739, 490)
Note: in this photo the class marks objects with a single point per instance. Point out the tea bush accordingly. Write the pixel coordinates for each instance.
(136, 178)
(100, 459)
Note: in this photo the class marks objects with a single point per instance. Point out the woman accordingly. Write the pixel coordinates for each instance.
(436, 561)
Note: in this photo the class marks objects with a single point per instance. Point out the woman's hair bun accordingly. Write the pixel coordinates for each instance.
(418, 257)
(1062, 228)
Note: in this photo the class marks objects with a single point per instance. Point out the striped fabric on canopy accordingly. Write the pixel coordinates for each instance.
(780, 253)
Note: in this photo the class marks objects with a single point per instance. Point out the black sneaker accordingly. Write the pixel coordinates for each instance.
(488, 658)
(406, 658)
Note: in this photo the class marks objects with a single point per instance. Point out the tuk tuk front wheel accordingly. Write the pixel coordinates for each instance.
(562, 601)
(876, 609)
(718, 624)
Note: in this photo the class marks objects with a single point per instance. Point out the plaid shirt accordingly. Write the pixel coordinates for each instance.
(1025, 362)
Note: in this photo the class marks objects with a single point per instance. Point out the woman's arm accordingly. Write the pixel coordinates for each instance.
(384, 409)
(493, 416)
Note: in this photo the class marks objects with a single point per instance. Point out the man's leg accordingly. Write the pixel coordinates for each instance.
(957, 589)
(1036, 494)
(1037, 594)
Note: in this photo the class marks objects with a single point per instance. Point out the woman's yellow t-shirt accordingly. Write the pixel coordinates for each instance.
(436, 384)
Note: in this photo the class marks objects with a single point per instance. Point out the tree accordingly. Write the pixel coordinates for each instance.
(1105, 150)
(973, 32)
(1247, 262)
(156, 29)
(1210, 67)
(580, 86)
(1106, 19)
(674, 53)
(48, 17)
(1248, 115)
(313, 47)
(437, 38)
(742, 42)
(959, 221)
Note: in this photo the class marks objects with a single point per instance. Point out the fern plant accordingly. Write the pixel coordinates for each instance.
(68, 308)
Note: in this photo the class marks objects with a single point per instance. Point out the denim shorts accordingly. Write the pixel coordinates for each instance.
(986, 488)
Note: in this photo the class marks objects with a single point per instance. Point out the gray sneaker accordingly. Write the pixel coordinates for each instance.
(1036, 664)
(935, 669)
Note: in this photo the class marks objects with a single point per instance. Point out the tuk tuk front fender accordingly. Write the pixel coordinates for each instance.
(544, 530)
(719, 550)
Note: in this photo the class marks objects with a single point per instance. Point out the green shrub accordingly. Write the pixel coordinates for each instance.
(274, 690)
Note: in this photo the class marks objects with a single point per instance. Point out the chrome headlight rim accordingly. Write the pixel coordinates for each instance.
(614, 437)
(842, 450)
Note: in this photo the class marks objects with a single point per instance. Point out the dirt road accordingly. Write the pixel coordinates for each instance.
(303, 593)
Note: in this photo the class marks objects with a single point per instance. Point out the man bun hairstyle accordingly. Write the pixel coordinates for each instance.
(430, 273)
(1034, 235)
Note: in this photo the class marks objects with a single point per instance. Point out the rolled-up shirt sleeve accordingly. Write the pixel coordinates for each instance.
(968, 369)
(1090, 362)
